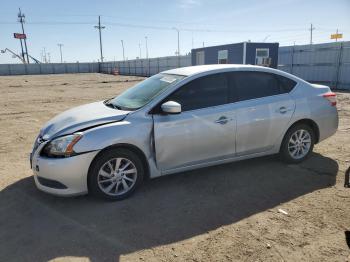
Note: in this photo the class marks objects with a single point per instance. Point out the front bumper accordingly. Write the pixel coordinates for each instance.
(70, 172)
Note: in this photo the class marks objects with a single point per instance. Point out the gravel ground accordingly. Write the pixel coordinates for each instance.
(223, 213)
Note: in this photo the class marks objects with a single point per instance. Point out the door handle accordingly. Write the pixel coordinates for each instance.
(222, 120)
(283, 110)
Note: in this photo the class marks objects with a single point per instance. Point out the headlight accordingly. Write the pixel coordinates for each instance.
(62, 146)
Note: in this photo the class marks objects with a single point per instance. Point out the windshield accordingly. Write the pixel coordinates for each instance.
(142, 93)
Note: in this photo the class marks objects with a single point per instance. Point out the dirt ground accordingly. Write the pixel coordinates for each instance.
(223, 213)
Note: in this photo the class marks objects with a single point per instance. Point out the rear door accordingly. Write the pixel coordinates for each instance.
(264, 110)
(203, 131)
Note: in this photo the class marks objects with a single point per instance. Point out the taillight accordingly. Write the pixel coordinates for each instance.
(331, 97)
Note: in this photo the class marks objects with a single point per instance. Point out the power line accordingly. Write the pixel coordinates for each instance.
(159, 27)
(178, 29)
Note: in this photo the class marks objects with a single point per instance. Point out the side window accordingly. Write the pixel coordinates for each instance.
(250, 85)
(203, 92)
(286, 84)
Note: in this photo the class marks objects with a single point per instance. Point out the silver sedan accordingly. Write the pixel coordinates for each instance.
(179, 120)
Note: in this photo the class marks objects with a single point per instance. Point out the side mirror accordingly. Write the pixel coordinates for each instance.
(171, 107)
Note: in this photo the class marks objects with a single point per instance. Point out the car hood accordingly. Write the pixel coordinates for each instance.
(81, 117)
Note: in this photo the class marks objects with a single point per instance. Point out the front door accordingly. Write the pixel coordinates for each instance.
(205, 129)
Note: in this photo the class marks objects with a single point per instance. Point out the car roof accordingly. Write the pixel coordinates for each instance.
(217, 68)
(193, 70)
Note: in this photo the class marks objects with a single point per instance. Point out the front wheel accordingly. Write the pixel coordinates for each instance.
(297, 144)
(115, 174)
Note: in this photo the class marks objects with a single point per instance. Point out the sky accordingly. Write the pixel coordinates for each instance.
(200, 22)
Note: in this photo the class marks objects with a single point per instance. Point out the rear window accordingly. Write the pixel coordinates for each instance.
(252, 84)
(286, 84)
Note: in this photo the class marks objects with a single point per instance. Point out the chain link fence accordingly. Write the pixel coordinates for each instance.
(327, 64)
(145, 67)
(52, 68)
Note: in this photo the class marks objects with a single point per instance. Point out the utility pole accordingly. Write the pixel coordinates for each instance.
(45, 57)
(336, 39)
(178, 45)
(140, 50)
(123, 50)
(60, 45)
(21, 18)
(311, 30)
(99, 27)
(146, 47)
(22, 54)
(192, 39)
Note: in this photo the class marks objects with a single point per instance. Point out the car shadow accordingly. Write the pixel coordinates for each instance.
(39, 227)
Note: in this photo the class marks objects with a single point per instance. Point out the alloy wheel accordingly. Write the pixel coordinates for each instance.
(117, 176)
(299, 144)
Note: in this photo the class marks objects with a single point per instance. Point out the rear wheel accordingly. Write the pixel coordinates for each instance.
(297, 144)
(115, 174)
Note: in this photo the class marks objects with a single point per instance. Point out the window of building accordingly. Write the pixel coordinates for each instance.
(262, 57)
(222, 57)
(262, 52)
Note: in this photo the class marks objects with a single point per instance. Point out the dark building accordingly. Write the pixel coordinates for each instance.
(265, 54)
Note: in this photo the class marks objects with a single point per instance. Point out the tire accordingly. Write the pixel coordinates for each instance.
(289, 150)
(105, 181)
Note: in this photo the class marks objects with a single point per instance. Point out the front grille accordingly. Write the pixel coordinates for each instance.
(37, 143)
